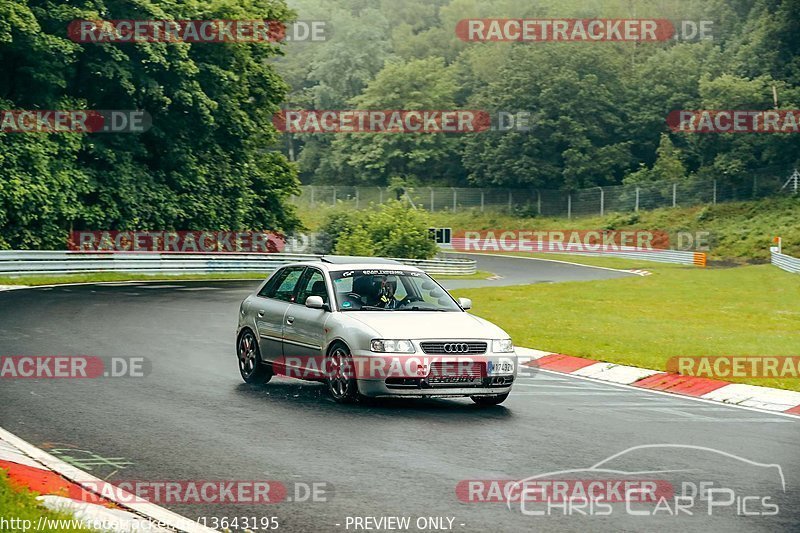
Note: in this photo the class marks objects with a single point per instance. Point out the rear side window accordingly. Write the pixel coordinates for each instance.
(282, 285)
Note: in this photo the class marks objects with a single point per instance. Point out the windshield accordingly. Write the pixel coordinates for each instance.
(390, 290)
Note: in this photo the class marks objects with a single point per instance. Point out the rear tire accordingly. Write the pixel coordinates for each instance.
(251, 367)
(490, 400)
(341, 380)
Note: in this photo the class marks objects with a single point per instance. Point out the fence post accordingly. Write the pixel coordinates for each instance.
(637, 200)
(755, 186)
(357, 197)
(569, 205)
(539, 201)
(481, 200)
(714, 199)
(432, 199)
(674, 194)
(602, 201)
(455, 199)
(510, 200)
(312, 195)
(380, 195)
(334, 195)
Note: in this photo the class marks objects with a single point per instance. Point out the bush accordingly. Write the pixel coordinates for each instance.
(355, 242)
(339, 222)
(393, 230)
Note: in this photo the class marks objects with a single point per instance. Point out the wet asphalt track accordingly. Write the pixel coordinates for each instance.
(193, 418)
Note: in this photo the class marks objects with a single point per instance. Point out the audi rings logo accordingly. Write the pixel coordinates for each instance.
(456, 347)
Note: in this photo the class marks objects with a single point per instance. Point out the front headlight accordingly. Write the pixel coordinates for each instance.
(502, 346)
(391, 346)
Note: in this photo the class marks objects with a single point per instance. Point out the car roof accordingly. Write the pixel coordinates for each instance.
(374, 264)
(357, 260)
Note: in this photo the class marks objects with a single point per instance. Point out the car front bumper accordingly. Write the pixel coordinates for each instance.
(431, 376)
(374, 388)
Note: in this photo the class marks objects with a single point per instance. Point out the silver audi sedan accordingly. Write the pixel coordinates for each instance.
(369, 327)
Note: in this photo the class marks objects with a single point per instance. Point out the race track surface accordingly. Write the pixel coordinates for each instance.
(522, 271)
(192, 418)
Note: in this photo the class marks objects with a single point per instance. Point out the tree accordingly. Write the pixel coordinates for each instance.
(372, 158)
(204, 164)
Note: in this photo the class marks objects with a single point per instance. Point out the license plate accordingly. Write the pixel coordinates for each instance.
(501, 367)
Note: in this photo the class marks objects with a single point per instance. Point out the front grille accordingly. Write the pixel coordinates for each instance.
(453, 347)
(460, 370)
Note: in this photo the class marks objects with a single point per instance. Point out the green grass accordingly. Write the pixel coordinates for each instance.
(740, 231)
(19, 503)
(479, 274)
(643, 321)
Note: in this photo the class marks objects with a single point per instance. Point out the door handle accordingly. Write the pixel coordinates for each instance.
(261, 313)
(290, 320)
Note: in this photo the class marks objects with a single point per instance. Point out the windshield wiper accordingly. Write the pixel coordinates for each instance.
(371, 308)
(417, 308)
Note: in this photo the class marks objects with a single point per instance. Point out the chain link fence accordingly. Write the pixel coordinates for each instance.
(551, 203)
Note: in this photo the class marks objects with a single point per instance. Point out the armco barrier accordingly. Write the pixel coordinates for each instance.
(661, 256)
(627, 252)
(20, 262)
(785, 262)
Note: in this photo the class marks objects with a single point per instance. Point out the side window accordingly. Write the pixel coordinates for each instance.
(312, 284)
(284, 285)
(277, 276)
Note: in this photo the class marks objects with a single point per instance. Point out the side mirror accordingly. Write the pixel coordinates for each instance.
(465, 303)
(315, 302)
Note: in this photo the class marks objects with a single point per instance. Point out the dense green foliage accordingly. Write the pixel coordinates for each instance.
(213, 160)
(204, 164)
(393, 229)
(599, 109)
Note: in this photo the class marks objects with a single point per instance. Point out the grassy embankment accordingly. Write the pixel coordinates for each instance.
(20, 505)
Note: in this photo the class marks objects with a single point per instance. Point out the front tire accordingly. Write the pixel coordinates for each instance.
(251, 367)
(490, 400)
(341, 380)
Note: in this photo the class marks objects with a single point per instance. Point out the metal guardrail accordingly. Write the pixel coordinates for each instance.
(626, 252)
(785, 262)
(21, 262)
(660, 256)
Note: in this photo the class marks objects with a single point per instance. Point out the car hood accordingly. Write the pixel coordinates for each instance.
(427, 325)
